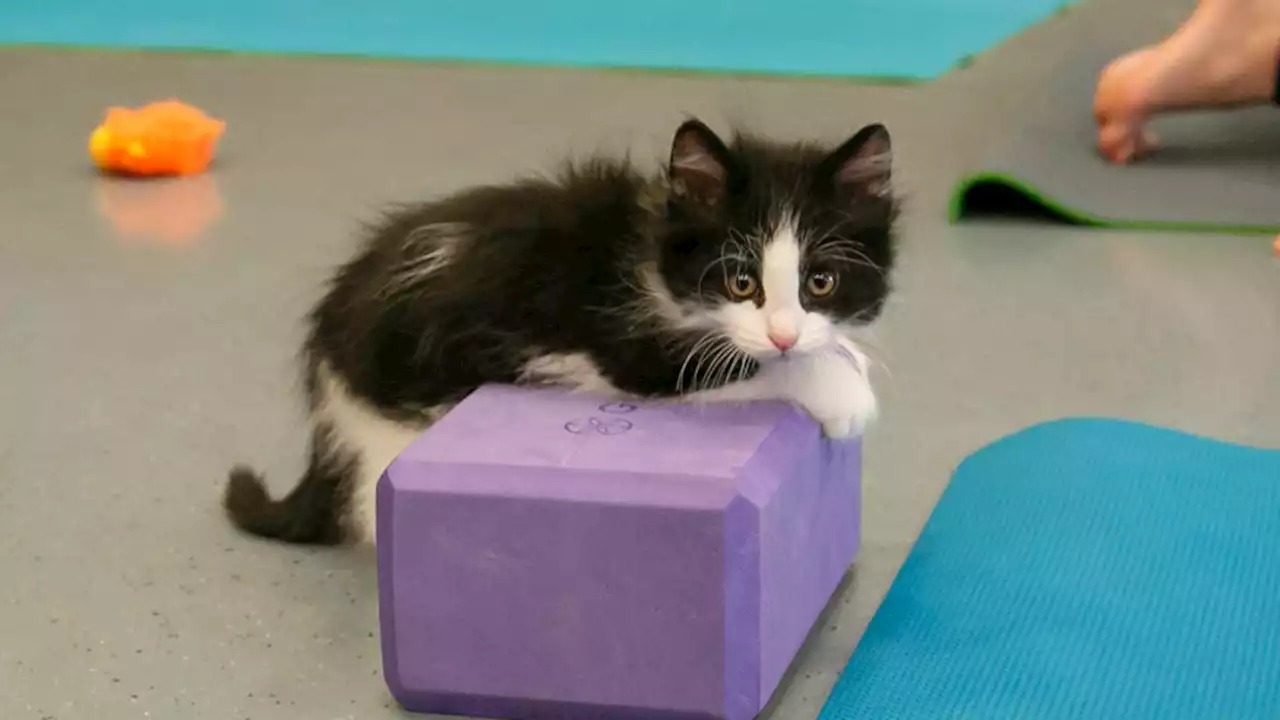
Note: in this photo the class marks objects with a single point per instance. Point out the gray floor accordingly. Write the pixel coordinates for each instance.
(1211, 169)
(135, 371)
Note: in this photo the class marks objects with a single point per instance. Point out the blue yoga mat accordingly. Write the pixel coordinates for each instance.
(1085, 569)
(907, 39)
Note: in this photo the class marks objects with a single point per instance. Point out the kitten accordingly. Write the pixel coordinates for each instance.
(738, 274)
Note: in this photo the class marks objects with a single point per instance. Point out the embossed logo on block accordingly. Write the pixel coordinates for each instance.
(605, 425)
(618, 408)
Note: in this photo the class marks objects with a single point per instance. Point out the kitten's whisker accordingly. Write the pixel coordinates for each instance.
(708, 359)
(716, 369)
(747, 245)
(694, 383)
(749, 366)
(708, 378)
(845, 259)
(731, 365)
(713, 370)
(843, 250)
(710, 354)
(865, 342)
(703, 340)
(722, 261)
(737, 369)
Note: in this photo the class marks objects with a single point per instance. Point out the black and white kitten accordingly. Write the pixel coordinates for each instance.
(739, 274)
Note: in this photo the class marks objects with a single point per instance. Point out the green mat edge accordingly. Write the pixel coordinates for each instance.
(956, 211)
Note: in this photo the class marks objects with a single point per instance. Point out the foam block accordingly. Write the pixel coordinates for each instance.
(551, 555)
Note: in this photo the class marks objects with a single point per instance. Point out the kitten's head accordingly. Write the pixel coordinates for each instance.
(779, 248)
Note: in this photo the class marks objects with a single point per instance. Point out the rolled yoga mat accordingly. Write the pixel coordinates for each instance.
(888, 39)
(1214, 171)
(1085, 569)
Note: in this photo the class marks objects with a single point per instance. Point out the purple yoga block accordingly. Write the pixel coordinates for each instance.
(557, 556)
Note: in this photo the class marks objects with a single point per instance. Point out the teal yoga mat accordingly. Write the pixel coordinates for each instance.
(1085, 569)
(899, 39)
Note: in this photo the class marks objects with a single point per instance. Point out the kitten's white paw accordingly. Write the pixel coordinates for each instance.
(853, 410)
(843, 429)
(837, 393)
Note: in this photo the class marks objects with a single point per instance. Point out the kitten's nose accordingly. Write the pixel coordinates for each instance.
(782, 341)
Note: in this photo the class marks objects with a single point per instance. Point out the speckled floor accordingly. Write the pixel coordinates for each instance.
(148, 334)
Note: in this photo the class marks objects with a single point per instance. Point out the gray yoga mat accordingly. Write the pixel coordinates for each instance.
(1213, 171)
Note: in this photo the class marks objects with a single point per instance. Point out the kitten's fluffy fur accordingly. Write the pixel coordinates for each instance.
(738, 274)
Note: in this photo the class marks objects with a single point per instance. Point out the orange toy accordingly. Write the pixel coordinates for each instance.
(163, 138)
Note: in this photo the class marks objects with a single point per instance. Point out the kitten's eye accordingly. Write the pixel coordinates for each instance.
(821, 284)
(742, 285)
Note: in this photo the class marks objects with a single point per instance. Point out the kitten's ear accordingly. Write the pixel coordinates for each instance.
(863, 165)
(699, 166)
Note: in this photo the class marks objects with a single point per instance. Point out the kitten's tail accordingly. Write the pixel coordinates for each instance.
(310, 514)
